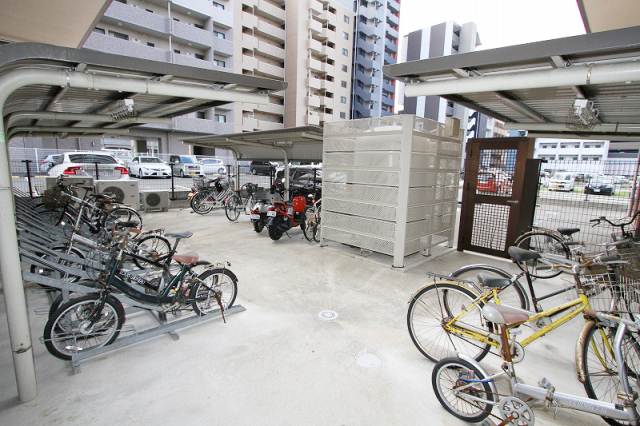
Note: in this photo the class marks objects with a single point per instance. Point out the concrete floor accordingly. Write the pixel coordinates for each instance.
(277, 363)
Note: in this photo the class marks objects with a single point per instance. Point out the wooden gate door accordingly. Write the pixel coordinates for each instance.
(499, 193)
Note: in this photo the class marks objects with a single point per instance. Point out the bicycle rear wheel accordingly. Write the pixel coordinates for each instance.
(430, 313)
(513, 295)
(542, 242)
(200, 204)
(152, 247)
(233, 207)
(600, 369)
(474, 402)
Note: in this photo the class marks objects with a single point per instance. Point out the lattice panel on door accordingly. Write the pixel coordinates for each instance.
(496, 169)
(490, 224)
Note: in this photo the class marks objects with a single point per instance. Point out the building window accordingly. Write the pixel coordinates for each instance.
(346, 19)
(345, 35)
(150, 44)
(343, 115)
(343, 83)
(116, 34)
(220, 63)
(219, 34)
(343, 99)
(218, 5)
(176, 51)
(344, 68)
(199, 56)
(201, 115)
(99, 30)
(220, 118)
(345, 51)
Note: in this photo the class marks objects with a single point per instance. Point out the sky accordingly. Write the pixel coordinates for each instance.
(500, 22)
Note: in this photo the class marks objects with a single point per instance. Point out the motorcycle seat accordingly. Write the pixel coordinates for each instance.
(186, 259)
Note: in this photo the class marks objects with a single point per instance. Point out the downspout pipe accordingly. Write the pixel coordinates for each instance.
(10, 271)
(576, 75)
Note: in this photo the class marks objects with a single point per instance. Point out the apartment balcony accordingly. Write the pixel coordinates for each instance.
(191, 61)
(270, 31)
(269, 125)
(316, 7)
(315, 65)
(313, 101)
(389, 87)
(327, 102)
(249, 124)
(330, 18)
(315, 46)
(392, 32)
(367, 45)
(328, 51)
(388, 59)
(328, 85)
(365, 62)
(390, 47)
(191, 34)
(268, 49)
(136, 17)
(328, 68)
(364, 93)
(370, 30)
(386, 100)
(200, 125)
(249, 63)
(313, 118)
(221, 17)
(315, 26)
(270, 108)
(365, 78)
(269, 71)
(315, 83)
(105, 43)
(393, 18)
(224, 47)
(249, 20)
(268, 10)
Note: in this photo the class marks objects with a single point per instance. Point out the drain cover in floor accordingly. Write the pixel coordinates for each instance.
(366, 359)
(327, 315)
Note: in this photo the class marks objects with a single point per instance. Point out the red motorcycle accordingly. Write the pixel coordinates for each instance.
(282, 216)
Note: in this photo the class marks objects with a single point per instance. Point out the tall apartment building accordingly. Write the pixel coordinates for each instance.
(375, 45)
(197, 33)
(319, 45)
(446, 38)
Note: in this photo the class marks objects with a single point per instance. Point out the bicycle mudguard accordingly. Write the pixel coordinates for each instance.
(476, 364)
(582, 375)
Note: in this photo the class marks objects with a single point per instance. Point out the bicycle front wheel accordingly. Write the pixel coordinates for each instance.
(209, 283)
(475, 399)
(152, 247)
(200, 203)
(233, 207)
(430, 324)
(543, 243)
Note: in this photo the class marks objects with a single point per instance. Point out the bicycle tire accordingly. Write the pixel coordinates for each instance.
(514, 295)
(456, 364)
(123, 214)
(447, 303)
(559, 248)
(197, 203)
(111, 302)
(163, 244)
(588, 345)
(227, 300)
(307, 230)
(232, 207)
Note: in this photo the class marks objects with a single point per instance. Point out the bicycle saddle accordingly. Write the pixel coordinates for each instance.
(493, 282)
(502, 314)
(186, 259)
(522, 255)
(568, 231)
(179, 235)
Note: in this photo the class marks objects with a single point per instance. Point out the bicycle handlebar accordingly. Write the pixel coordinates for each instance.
(619, 223)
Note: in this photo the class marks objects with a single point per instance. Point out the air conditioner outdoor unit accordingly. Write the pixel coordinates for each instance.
(154, 200)
(125, 191)
(77, 181)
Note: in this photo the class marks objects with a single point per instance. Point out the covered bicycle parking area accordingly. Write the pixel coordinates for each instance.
(583, 87)
(48, 90)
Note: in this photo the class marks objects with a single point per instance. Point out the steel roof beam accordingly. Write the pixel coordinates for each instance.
(518, 106)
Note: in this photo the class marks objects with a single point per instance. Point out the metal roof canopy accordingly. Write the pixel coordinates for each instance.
(533, 86)
(55, 90)
(30, 110)
(295, 143)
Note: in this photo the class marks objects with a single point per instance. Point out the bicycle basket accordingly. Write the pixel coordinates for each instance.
(199, 183)
(612, 293)
(55, 198)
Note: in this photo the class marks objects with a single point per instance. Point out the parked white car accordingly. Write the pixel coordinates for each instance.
(144, 166)
(562, 182)
(211, 166)
(89, 163)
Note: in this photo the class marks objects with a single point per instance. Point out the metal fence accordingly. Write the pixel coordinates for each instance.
(571, 193)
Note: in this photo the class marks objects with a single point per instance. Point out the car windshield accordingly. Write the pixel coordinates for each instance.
(211, 161)
(92, 158)
(562, 177)
(150, 160)
(602, 179)
(187, 159)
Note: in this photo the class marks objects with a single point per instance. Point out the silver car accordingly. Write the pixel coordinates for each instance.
(186, 165)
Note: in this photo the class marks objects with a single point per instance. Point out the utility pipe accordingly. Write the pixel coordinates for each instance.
(545, 127)
(576, 75)
(57, 130)
(90, 118)
(10, 270)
